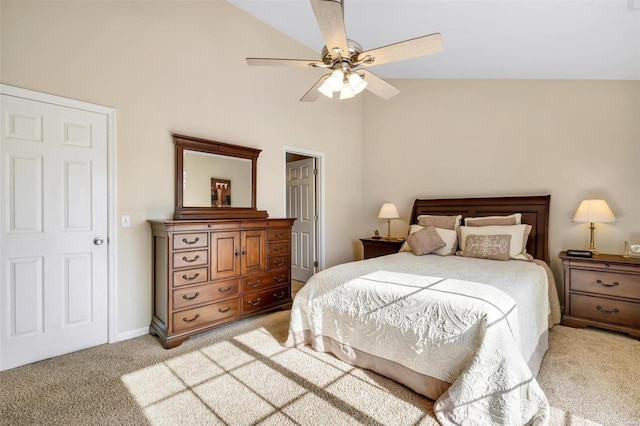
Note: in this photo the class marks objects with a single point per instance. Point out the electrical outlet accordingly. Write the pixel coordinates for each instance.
(126, 221)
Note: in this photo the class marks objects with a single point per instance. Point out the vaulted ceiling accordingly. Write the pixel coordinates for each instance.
(483, 39)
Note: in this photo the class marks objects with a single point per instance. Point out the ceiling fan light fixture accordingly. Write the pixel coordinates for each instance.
(347, 92)
(357, 83)
(335, 81)
(325, 90)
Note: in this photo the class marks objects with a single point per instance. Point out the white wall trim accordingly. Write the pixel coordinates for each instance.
(320, 164)
(133, 334)
(112, 230)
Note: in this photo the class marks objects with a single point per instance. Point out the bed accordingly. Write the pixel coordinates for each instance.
(467, 332)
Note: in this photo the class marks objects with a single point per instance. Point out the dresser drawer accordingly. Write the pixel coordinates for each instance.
(605, 310)
(278, 234)
(205, 293)
(190, 258)
(262, 281)
(192, 240)
(279, 248)
(203, 315)
(189, 276)
(278, 262)
(608, 283)
(257, 301)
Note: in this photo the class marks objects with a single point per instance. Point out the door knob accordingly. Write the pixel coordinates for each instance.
(98, 241)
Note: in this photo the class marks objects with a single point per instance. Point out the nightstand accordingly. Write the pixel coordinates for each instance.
(374, 247)
(602, 291)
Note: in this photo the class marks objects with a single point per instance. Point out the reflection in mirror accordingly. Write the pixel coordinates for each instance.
(211, 180)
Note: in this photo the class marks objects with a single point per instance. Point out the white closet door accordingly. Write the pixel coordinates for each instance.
(301, 200)
(54, 230)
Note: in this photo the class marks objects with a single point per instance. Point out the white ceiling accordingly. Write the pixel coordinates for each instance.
(483, 39)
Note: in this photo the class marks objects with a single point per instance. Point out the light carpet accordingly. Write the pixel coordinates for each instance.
(240, 374)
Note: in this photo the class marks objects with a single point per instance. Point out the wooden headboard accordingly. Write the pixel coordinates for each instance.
(535, 212)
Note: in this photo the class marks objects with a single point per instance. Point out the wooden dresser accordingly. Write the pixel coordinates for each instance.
(211, 272)
(602, 291)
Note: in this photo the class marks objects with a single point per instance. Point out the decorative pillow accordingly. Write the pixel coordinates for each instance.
(443, 222)
(425, 241)
(519, 236)
(512, 219)
(494, 247)
(449, 236)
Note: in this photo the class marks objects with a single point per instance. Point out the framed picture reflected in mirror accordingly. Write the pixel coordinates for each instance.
(220, 192)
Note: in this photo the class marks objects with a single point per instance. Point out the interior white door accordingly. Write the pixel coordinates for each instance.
(53, 268)
(301, 204)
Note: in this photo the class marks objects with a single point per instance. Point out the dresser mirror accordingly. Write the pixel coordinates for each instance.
(215, 180)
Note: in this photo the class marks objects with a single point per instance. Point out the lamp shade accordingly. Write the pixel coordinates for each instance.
(388, 211)
(594, 211)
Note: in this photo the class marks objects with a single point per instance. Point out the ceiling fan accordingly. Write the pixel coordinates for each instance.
(344, 57)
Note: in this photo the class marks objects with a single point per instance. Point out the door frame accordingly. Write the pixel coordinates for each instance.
(112, 234)
(320, 196)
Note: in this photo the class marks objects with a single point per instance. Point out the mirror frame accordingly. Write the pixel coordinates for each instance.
(191, 143)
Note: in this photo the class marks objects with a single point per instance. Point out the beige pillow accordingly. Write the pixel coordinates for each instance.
(512, 219)
(425, 241)
(519, 236)
(494, 247)
(443, 222)
(449, 236)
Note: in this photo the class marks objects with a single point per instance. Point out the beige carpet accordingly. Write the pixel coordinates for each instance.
(241, 375)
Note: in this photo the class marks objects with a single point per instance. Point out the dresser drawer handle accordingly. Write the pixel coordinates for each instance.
(278, 249)
(222, 311)
(279, 235)
(191, 320)
(184, 296)
(280, 278)
(185, 277)
(192, 260)
(278, 262)
(254, 303)
(279, 296)
(184, 240)
(224, 290)
(254, 285)
(604, 311)
(615, 283)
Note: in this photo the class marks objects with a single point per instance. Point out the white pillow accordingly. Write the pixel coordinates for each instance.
(512, 219)
(519, 236)
(449, 236)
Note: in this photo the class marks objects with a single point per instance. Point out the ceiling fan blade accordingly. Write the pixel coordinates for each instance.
(275, 62)
(420, 46)
(330, 17)
(378, 86)
(313, 93)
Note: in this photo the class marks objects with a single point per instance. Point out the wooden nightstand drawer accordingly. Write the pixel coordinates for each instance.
(374, 247)
(606, 310)
(605, 283)
(602, 291)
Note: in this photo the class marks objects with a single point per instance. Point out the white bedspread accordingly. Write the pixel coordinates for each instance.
(469, 322)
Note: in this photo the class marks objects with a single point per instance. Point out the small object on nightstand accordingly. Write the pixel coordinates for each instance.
(634, 249)
(376, 235)
(374, 247)
(579, 253)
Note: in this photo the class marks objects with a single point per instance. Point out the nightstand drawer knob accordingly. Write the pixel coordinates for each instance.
(614, 284)
(604, 311)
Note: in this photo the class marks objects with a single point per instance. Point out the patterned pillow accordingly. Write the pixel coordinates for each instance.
(519, 236)
(494, 247)
(425, 241)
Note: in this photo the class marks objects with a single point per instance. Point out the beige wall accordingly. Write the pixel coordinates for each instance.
(571, 139)
(180, 67)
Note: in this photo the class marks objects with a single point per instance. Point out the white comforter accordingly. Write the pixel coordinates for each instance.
(469, 322)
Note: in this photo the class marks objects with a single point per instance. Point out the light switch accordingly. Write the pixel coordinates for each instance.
(126, 221)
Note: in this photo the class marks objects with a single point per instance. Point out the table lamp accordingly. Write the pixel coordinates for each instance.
(388, 211)
(593, 211)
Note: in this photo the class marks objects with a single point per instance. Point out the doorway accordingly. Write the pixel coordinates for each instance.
(57, 240)
(304, 201)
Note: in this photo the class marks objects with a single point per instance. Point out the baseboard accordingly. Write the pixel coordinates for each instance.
(133, 333)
